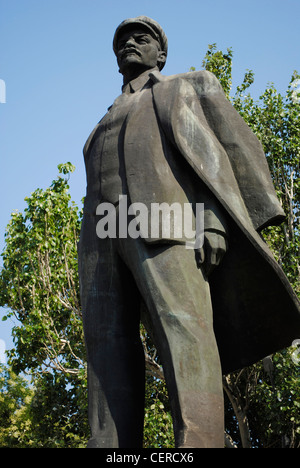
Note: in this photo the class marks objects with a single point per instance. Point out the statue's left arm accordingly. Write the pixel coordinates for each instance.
(223, 151)
(244, 151)
(220, 147)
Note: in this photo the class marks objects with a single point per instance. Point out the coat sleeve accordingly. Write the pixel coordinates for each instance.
(244, 150)
(218, 144)
(181, 116)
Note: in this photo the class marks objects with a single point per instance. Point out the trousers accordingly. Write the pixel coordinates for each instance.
(115, 275)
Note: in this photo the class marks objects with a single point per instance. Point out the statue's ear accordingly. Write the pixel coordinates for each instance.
(162, 57)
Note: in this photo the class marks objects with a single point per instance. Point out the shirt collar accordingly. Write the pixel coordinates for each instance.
(138, 83)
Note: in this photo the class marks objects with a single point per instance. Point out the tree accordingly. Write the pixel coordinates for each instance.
(39, 286)
(39, 281)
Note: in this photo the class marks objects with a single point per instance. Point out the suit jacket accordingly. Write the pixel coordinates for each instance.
(255, 309)
(155, 171)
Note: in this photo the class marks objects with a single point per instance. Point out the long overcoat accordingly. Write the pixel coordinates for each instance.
(256, 311)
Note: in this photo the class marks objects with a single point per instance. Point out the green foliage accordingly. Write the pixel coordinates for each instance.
(276, 402)
(39, 281)
(15, 421)
(50, 414)
(158, 427)
(58, 411)
(219, 64)
(268, 396)
(39, 286)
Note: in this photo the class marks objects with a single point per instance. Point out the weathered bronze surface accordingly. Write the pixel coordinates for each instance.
(212, 310)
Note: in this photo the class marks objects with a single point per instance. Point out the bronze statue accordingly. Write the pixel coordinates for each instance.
(211, 309)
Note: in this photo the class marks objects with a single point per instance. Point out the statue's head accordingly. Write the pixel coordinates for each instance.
(140, 43)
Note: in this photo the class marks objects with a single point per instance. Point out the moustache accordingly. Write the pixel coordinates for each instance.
(130, 50)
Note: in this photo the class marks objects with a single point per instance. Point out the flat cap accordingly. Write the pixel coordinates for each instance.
(154, 28)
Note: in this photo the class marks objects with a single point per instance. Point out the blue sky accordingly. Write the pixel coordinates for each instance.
(60, 73)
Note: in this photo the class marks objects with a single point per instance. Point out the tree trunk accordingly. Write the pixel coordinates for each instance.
(240, 413)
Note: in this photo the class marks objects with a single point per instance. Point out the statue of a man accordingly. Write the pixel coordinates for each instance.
(211, 309)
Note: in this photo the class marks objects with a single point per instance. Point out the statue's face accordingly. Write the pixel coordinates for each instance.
(137, 49)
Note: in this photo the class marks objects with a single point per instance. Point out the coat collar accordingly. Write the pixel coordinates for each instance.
(141, 81)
